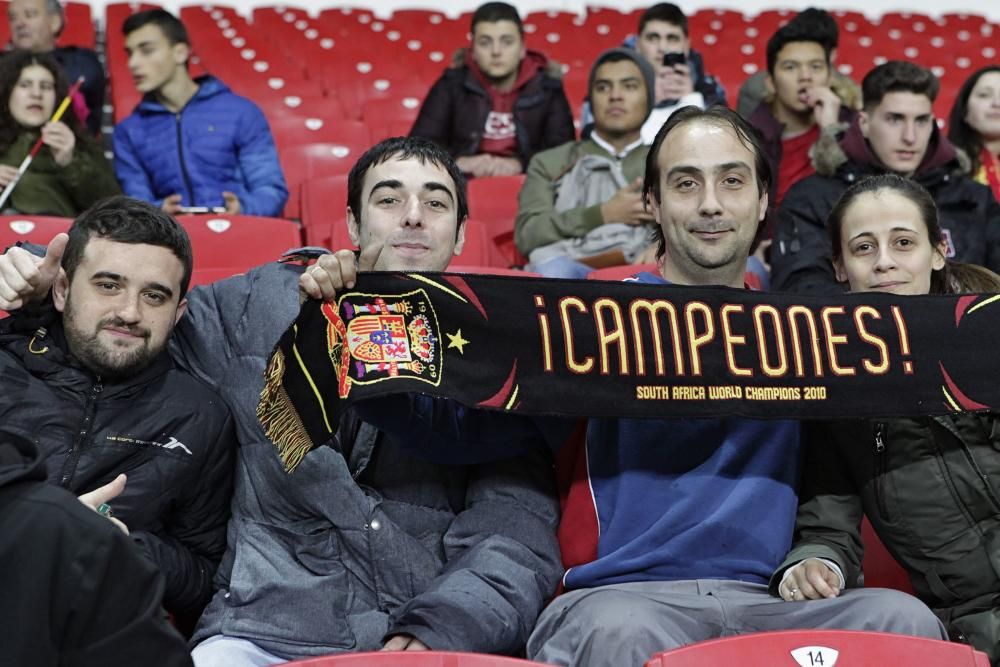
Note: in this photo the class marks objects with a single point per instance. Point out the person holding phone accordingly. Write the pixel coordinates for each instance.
(663, 41)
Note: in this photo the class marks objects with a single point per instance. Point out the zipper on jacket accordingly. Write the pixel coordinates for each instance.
(880, 469)
(69, 468)
(180, 156)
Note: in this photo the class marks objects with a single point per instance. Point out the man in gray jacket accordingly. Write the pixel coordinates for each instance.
(363, 546)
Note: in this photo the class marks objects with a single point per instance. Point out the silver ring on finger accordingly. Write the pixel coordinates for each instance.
(793, 592)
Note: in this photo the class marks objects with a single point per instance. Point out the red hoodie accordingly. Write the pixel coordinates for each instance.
(500, 133)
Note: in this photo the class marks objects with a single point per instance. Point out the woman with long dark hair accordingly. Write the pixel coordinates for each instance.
(70, 172)
(929, 485)
(974, 125)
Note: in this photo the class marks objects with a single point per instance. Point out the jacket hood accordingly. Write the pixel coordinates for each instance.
(208, 86)
(853, 148)
(19, 459)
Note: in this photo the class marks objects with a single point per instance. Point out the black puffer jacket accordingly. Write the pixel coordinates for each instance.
(169, 433)
(801, 256)
(455, 110)
(76, 592)
(931, 489)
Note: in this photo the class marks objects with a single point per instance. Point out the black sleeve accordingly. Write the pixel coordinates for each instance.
(992, 220)
(800, 256)
(435, 120)
(191, 544)
(115, 614)
(558, 123)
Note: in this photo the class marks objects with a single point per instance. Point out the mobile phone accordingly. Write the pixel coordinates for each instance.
(673, 59)
(187, 210)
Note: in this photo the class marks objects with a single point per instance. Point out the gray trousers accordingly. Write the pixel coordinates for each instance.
(625, 624)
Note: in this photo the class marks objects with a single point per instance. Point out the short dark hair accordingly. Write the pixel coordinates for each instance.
(794, 31)
(491, 12)
(405, 148)
(172, 28)
(127, 220)
(716, 114)
(667, 12)
(960, 132)
(822, 25)
(898, 76)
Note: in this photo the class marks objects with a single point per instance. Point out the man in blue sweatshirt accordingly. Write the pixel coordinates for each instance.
(672, 528)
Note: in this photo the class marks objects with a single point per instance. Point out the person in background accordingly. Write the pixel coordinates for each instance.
(974, 125)
(927, 484)
(191, 142)
(70, 172)
(500, 103)
(35, 25)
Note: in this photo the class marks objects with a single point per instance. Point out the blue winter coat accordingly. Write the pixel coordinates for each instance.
(218, 141)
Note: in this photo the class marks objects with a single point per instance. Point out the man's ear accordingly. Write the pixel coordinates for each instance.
(55, 25)
(763, 206)
(182, 53)
(181, 309)
(863, 121)
(353, 229)
(769, 84)
(460, 237)
(60, 291)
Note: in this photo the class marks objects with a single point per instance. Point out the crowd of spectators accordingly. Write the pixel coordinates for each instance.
(424, 524)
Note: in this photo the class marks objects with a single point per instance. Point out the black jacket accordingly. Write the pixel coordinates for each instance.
(76, 591)
(801, 257)
(931, 488)
(170, 434)
(455, 110)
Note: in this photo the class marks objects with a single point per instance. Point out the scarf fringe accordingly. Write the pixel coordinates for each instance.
(278, 417)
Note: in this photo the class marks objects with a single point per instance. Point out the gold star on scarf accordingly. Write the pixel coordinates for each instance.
(456, 341)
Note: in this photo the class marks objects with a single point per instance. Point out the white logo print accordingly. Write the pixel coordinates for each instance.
(174, 443)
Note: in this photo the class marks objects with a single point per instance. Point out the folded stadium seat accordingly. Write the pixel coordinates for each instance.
(209, 276)
(493, 201)
(384, 116)
(715, 21)
(392, 87)
(619, 273)
(767, 22)
(846, 648)
(575, 85)
(412, 659)
(479, 249)
(79, 26)
(238, 242)
(396, 128)
(295, 130)
(322, 160)
(324, 212)
(962, 21)
(30, 229)
(346, 22)
(311, 104)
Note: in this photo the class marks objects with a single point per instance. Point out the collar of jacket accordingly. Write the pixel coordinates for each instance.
(852, 158)
(45, 355)
(208, 86)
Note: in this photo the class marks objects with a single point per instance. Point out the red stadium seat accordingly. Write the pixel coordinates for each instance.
(238, 242)
(385, 116)
(479, 249)
(294, 130)
(493, 200)
(321, 160)
(880, 568)
(79, 26)
(30, 228)
(412, 659)
(324, 212)
(821, 647)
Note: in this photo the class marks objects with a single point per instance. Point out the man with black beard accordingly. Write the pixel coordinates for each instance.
(86, 378)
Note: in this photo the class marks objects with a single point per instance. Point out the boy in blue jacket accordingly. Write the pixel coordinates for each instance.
(191, 142)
